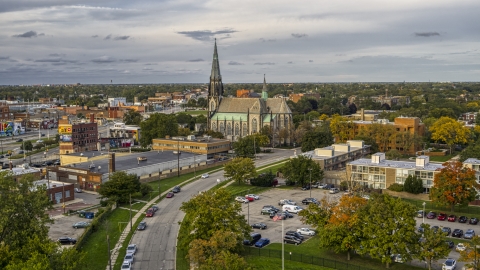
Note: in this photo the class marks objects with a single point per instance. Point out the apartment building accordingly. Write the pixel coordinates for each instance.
(79, 137)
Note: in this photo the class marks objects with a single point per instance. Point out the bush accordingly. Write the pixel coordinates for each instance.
(263, 180)
(137, 149)
(396, 187)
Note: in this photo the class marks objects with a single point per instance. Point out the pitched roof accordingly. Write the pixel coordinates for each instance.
(278, 105)
(242, 105)
(215, 66)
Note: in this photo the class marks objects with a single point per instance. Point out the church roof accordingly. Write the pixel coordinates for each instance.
(242, 105)
(215, 65)
(230, 116)
(278, 105)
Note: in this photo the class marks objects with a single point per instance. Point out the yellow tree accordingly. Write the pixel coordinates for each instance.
(383, 134)
(450, 131)
(341, 128)
(472, 253)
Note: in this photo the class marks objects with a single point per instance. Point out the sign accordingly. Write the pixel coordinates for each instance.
(65, 129)
(65, 138)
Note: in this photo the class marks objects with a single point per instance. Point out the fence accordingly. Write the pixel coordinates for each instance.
(251, 251)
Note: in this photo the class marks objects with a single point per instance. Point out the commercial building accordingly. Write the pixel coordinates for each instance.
(191, 144)
(121, 135)
(336, 156)
(379, 173)
(79, 137)
(21, 170)
(117, 101)
(57, 192)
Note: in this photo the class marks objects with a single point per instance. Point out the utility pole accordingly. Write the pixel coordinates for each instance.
(310, 169)
(178, 158)
(130, 195)
(109, 252)
(159, 184)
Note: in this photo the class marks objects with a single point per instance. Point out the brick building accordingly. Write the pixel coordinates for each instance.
(78, 137)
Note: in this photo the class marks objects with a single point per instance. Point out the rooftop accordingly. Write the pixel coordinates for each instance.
(21, 170)
(472, 161)
(397, 164)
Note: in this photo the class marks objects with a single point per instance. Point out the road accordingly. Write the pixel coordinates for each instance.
(157, 244)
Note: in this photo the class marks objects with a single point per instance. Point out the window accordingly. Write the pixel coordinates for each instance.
(222, 128)
(67, 194)
(229, 129)
(237, 129)
(254, 125)
(214, 126)
(244, 131)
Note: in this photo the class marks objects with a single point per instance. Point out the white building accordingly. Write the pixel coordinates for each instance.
(115, 102)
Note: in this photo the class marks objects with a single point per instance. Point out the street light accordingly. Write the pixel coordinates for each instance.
(423, 214)
(310, 169)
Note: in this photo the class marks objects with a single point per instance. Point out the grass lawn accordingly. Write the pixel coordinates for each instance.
(195, 113)
(265, 263)
(242, 189)
(135, 205)
(96, 248)
(273, 168)
(442, 158)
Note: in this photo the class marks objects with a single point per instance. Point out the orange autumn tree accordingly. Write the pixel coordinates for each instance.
(454, 184)
(340, 231)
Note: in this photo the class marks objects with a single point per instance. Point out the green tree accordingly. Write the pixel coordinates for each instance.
(184, 131)
(214, 134)
(132, 117)
(212, 211)
(317, 215)
(263, 180)
(249, 145)
(472, 253)
(316, 139)
(201, 102)
(298, 171)
(393, 154)
(454, 184)
(201, 119)
(240, 169)
(120, 187)
(158, 125)
(450, 131)
(432, 246)
(388, 228)
(413, 184)
(27, 146)
(184, 118)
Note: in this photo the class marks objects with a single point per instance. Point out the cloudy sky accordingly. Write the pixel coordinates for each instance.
(171, 41)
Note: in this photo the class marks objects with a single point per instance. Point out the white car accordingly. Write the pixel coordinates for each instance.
(449, 264)
(252, 196)
(129, 258)
(241, 199)
(132, 249)
(205, 175)
(306, 231)
(322, 186)
(460, 247)
(334, 190)
(126, 265)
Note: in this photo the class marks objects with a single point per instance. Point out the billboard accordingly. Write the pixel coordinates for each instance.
(65, 129)
(65, 138)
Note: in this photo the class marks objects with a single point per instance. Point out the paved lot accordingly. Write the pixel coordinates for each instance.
(63, 227)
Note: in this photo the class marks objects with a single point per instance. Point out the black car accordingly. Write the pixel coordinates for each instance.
(19, 140)
(267, 211)
(307, 187)
(287, 214)
(473, 221)
(67, 241)
(446, 230)
(56, 162)
(457, 233)
(295, 234)
(463, 219)
(450, 244)
(142, 226)
(309, 200)
(254, 238)
(176, 189)
(435, 228)
(271, 207)
(289, 239)
(260, 226)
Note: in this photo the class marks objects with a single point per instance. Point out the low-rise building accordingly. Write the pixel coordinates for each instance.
(379, 173)
(21, 170)
(58, 192)
(202, 145)
(79, 137)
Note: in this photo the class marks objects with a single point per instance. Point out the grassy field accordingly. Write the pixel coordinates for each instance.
(443, 158)
(96, 249)
(195, 113)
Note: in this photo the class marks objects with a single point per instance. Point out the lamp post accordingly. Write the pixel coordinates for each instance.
(248, 209)
(310, 169)
(423, 215)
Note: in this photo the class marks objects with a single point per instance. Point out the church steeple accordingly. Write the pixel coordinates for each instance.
(264, 90)
(216, 85)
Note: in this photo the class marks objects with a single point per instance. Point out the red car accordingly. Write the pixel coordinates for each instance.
(250, 199)
(170, 195)
(150, 212)
(442, 216)
(452, 218)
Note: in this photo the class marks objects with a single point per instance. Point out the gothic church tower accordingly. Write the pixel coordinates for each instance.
(215, 88)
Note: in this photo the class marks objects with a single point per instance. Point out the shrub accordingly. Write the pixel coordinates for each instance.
(263, 180)
(396, 187)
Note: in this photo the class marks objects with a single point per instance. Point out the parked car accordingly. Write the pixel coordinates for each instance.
(450, 244)
(205, 175)
(260, 226)
(262, 242)
(170, 194)
(149, 212)
(56, 162)
(306, 187)
(397, 258)
(271, 207)
(463, 219)
(280, 215)
(129, 258)
(442, 216)
(473, 221)
(67, 240)
(306, 231)
(142, 226)
(457, 233)
(287, 214)
(132, 249)
(315, 185)
(286, 201)
(250, 199)
(254, 238)
(296, 234)
(81, 224)
(155, 208)
(420, 229)
(176, 189)
(267, 211)
(421, 214)
(241, 199)
(446, 230)
(256, 197)
(292, 208)
(435, 228)
(19, 140)
(289, 239)
(469, 234)
(126, 265)
(461, 247)
(449, 264)
(452, 218)
(328, 186)
(78, 190)
(322, 186)
(334, 190)
(309, 200)
(431, 215)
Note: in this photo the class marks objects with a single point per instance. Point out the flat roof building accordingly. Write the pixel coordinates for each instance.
(191, 144)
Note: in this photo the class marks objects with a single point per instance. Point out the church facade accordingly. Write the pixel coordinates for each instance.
(239, 117)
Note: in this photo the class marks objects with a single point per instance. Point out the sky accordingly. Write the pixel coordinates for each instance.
(171, 41)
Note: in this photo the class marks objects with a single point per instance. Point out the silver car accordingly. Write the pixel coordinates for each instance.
(469, 234)
(129, 258)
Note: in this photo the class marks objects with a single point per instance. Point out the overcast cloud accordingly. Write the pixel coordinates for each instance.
(50, 42)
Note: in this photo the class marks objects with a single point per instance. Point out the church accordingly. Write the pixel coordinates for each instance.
(239, 117)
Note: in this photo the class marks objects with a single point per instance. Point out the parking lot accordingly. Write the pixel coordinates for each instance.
(272, 197)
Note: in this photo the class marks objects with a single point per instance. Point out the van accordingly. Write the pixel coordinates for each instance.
(291, 208)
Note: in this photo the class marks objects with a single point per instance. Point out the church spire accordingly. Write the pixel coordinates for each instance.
(215, 66)
(264, 90)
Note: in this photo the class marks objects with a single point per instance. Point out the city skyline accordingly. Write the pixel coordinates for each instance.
(45, 42)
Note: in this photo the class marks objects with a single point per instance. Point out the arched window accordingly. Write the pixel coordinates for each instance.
(254, 125)
(286, 122)
(229, 129)
(237, 129)
(245, 129)
(214, 126)
(212, 106)
(222, 128)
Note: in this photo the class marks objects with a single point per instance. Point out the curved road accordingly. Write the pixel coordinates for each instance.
(157, 244)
